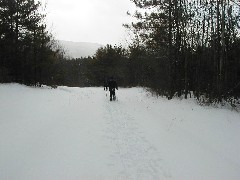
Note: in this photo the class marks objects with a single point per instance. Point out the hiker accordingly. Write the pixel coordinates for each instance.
(112, 85)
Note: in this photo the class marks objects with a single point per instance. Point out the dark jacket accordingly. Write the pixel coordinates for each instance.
(112, 85)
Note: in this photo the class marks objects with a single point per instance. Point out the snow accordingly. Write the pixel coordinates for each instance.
(77, 133)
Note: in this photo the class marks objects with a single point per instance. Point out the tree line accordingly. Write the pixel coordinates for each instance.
(190, 46)
(27, 49)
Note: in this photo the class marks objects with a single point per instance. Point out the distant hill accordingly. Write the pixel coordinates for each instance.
(79, 49)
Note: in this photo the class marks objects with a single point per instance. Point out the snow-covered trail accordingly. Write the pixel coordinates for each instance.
(133, 154)
(77, 133)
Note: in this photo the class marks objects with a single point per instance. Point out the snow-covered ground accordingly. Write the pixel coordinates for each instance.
(77, 133)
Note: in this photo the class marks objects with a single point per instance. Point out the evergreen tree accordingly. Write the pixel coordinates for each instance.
(26, 48)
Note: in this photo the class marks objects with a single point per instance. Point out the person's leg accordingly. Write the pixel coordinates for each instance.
(111, 94)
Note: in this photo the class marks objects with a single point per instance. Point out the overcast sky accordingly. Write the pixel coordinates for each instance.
(98, 21)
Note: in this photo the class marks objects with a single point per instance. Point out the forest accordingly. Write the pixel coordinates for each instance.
(180, 48)
(28, 51)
